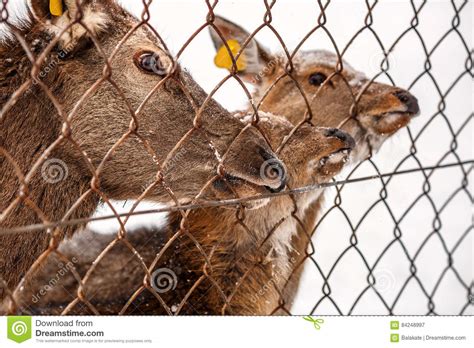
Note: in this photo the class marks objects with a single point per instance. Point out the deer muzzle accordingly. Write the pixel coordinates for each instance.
(250, 162)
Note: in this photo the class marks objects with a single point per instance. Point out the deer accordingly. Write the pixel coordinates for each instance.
(93, 108)
(382, 111)
(216, 261)
(321, 89)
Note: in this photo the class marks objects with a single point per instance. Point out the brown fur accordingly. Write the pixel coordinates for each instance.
(31, 124)
(371, 125)
(234, 248)
(371, 117)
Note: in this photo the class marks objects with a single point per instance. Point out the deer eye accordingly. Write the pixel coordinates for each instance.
(317, 79)
(150, 62)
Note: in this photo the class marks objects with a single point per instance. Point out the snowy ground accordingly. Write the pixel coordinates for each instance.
(177, 20)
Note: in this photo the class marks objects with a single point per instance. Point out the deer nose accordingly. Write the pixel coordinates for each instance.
(409, 100)
(251, 159)
(343, 136)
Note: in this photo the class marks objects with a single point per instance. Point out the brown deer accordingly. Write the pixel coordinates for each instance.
(93, 107)
(382, 111)
(369, 111)
(219, 264)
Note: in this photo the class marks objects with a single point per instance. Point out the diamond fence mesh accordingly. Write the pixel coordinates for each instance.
(231, 253)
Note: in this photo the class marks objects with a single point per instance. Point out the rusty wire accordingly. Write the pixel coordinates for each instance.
(84, 300)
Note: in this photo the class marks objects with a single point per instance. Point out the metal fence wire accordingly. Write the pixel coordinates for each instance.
(195, 264)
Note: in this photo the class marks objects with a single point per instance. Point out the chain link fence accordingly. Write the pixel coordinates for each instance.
(221, 255)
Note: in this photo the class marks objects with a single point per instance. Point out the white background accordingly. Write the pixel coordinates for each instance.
(177, 20)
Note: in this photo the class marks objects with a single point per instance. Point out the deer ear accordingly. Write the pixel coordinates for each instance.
(40, 10)
(253, 60)
(57, 15)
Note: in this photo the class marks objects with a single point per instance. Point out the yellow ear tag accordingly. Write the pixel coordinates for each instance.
(56, 7)
(223, 60)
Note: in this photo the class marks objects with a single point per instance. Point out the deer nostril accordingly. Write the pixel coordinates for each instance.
(402, 96)
(409, 100)
(333, 132)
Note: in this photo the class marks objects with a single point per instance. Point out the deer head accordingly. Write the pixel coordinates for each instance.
(137, 67)
(87, 85)
(312, 156)
(370, 111)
